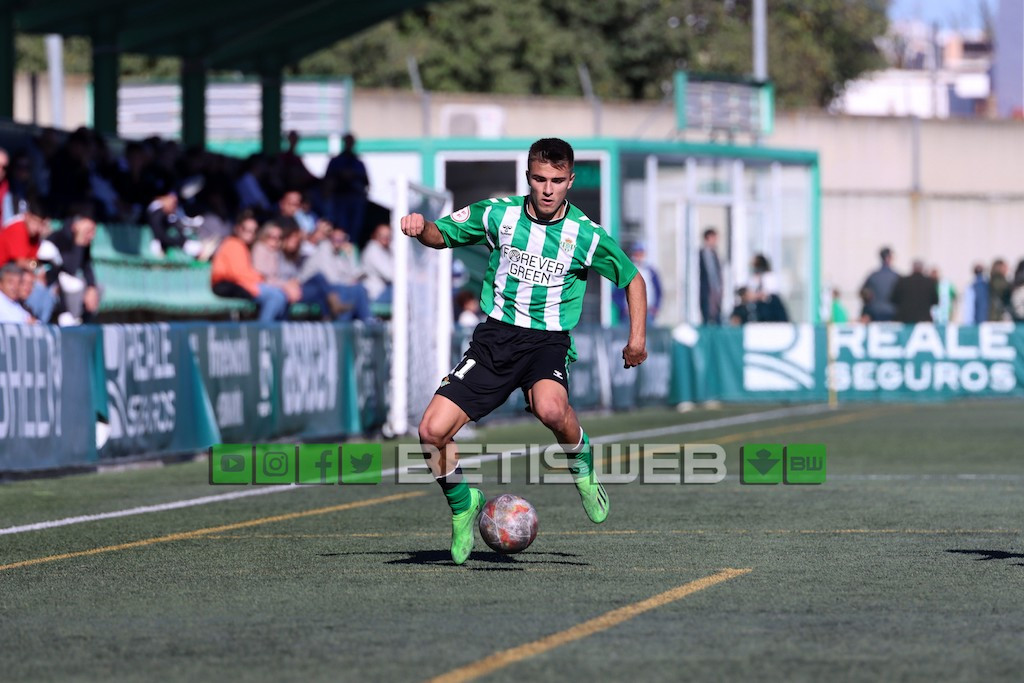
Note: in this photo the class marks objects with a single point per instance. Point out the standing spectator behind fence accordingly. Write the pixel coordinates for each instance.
(233, 275)
(974, 309)
(72, 272)
(942, 312)
(878, 289)
(764, 286)
(379, 265)
(19, 242)
(710, 280)
(914, 296)
(998, 291)
(638, 254)
(1016, 305)
(346, 185)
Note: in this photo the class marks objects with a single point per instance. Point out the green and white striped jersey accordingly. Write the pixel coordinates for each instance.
(536, 274)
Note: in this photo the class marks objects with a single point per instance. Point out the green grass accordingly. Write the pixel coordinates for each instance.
(897, 567)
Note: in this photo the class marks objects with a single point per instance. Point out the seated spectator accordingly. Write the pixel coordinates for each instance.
(342, 302)
(268, 259)
(19, 242)
(764, 286)
(11, 310)
(232, 274)
(335, 260)
(72, 271)
(250, 193)
(379, 265)
(170, 226)
(292, 205)
(1016, 300)
(746, 309)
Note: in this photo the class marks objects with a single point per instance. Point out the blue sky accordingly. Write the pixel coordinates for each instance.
(949, 13)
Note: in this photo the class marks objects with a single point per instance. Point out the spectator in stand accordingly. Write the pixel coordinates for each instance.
(998, 291)
(338, 302)
(764, 287)
(7, 208)
(72, 272)
(379, 265)
(268, 258)
(22, 185)
(975, 306)
(346, 184)
(710, 280)
(335, 260)
(914, 295)
(170, 225)
(467, 310)
(232, 274)
(134, 185)
(942, 312)
(11, 310)
(1016, 299)
(638, 254)
(291, 166)
(879, 286)
(69, 173)
(250, 193)
(746, 309)
(19, 242)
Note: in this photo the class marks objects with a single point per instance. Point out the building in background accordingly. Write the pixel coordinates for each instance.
(1009, 70)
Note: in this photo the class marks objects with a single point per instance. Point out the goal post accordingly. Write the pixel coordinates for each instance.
(421, 308)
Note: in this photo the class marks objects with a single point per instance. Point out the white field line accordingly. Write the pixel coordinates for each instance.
(470, 462)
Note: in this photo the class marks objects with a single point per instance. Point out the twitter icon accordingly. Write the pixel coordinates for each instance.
(361, 463)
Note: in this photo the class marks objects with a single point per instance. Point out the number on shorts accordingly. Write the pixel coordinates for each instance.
(467, 365)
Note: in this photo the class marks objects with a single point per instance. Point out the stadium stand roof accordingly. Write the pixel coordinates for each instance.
(252, 36)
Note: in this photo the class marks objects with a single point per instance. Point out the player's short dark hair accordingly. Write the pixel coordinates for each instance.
(553, 151)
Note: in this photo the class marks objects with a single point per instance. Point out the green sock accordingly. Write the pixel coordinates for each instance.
(583, 463)
(456, 490)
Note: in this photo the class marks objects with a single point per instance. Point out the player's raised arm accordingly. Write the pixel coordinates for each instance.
(635, 351)
(415, 225)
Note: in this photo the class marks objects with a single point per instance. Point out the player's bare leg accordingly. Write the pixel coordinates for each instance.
(549, 401)
(440, 423)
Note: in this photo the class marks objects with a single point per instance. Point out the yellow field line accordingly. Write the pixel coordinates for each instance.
(184, 535)
(604, 622)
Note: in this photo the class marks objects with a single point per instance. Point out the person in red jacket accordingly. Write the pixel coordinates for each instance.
(232, 274)
(19, 242)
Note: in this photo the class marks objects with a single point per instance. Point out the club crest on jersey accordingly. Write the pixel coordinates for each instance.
(568, 246)
(462, 215)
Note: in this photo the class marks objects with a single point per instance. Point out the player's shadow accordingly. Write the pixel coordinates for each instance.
(991, 555)
(497, 561)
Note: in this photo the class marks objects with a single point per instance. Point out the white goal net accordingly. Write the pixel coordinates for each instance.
(421, 309)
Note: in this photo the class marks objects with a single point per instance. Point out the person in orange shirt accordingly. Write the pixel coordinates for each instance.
(232, 274)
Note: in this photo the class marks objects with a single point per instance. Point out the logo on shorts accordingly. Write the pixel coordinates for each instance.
(558, 374)
(568, 246)
(462, 215)
(446, 381)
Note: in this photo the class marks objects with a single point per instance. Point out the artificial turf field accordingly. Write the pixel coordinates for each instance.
(908, 563)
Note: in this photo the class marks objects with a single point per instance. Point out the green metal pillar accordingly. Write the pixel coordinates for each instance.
(270, 124)
(193, 101)
(7, 59)
(106, 70)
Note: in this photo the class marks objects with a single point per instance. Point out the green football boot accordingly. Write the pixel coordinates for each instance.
(463, 525)
(594, 497)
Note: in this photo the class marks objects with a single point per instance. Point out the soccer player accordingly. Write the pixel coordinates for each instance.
(541, 250)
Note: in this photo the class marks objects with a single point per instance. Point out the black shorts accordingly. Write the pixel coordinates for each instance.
(502, 358)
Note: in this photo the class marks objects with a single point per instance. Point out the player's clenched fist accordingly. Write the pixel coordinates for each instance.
(413, 224)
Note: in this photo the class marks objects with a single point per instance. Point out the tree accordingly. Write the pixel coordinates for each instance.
(631, 47)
